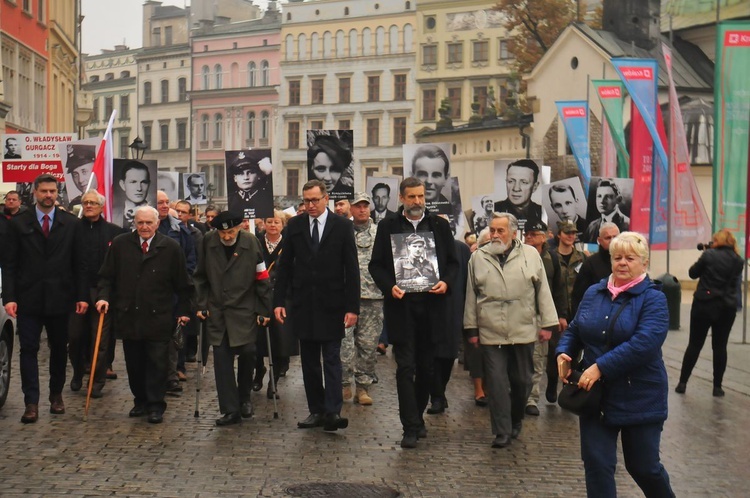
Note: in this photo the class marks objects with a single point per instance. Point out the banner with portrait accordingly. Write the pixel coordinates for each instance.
(250, 182)
(383, 190)
(415, 261)
(431, 164)
(77, 159)
(169, 183)
(517, 189)
(564, 200)
(193, 188)
(132, 188)
(609, 200)
(330, 159)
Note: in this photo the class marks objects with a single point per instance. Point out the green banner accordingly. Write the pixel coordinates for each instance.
(611, 95)
(731, 127)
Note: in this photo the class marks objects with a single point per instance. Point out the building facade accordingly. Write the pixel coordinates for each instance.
(63, 82)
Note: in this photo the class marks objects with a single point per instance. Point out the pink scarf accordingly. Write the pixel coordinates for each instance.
(615, 291)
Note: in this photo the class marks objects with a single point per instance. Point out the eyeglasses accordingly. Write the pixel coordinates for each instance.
(90, 203)
(312, 201)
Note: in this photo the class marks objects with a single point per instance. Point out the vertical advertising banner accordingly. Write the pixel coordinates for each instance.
(575, 118)
(731, 127)
(611, 95)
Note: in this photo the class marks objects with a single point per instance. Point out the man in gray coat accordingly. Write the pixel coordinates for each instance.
(235, 305)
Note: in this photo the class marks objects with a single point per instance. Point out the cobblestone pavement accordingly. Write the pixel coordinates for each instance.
(704, 445)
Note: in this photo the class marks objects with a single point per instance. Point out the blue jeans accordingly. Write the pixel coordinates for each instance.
(640, 448)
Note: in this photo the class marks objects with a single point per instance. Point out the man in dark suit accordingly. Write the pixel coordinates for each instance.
(237, 305)
(44, 281)
(415, 321)
(318, 264)
(381, 196)
(141, 275)
(608, 199)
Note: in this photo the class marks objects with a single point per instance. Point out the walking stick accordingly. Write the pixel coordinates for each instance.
(93, 366)
(199, 355)
(272, 377)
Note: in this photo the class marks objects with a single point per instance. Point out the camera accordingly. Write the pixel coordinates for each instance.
(707, 245)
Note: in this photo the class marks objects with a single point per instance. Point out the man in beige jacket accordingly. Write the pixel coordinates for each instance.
(508, 303)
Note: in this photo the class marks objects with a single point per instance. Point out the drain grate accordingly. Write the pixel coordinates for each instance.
(341, 490)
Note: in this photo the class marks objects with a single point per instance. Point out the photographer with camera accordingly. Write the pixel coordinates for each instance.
(719, 269)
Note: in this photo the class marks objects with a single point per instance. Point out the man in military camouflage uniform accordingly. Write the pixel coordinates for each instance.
(415, 271)
(359, 344)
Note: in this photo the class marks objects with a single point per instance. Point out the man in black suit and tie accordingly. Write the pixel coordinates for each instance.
(44, 281)
(381, 196)
(318, 267)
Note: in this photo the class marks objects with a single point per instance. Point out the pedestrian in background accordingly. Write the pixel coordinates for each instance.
(719, 270)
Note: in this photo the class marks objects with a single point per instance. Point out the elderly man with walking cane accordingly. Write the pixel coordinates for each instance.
(235, 304)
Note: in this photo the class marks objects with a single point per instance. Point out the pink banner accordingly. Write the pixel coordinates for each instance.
(608, 165)
(641, 154)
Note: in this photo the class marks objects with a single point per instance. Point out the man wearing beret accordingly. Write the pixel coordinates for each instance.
(253, 197)
(80, 165)
(235, 307)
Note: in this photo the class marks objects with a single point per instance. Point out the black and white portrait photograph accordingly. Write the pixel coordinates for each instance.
(169, 182)
(564, 200)
(12, 148)
(480, 214)
(194, 188)
(431, 164)
(415, 261)
(77, 160)
(330, 159)
(517, 189)
(383, 191)
(610, 200)
(132, 188)
(456, 218)
(250, 182)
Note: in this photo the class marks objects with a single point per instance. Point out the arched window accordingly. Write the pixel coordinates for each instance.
(393, 40)
(146, 93)
(289, 47)
(339, 43)
(204, 128)
(346, 11)
(218, 77)
(353, 45)
(366, 42)
(302, 47)
(234, 75)
(264, 124)
(379, 40)
(205, 77)
(314, 54)
(218, 127)
(251, 126)
(407, 6)
(289, 16)
(251, 74)
(327, 40)
(264, 74)
(408, 37)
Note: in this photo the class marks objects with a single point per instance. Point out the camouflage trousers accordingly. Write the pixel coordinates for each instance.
(360, 342)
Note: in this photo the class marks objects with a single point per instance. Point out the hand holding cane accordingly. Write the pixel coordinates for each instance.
(93, 366)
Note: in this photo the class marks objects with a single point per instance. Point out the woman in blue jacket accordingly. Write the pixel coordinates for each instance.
(630, 366)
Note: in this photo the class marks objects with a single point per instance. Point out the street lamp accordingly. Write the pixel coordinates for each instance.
(137, 149)
(211, 189)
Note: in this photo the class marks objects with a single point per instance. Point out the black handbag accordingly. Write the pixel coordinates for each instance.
(578, 400)
(178, 337)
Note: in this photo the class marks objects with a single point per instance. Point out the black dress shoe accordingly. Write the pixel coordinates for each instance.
(680, 389)
(551, 394)
(532, 410)
(718, 392)
(270, 392)
(97, 393)
(258, 380)
(501, 441)
(246, 409)
(422, 432)
(334, 421)
(155, 418)
(76, 384)
(312, 420)
(228, 419)
(516, 430)
(438, 406)
(481, 401)
(137, 411)
(174, 388)
(409, 440)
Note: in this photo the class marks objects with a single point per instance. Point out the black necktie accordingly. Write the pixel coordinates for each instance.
(315, 235)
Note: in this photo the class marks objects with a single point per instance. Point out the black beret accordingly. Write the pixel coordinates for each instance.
(226, 220)
(538, 226)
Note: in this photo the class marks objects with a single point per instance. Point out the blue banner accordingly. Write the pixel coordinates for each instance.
(575, 118)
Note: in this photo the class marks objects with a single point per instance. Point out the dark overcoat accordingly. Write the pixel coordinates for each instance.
(322, 285)
(141, 288)
(235, 291)
(283, 341)
(383, 273)
(45, 276)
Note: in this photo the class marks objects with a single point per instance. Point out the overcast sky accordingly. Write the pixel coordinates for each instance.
(111, 22)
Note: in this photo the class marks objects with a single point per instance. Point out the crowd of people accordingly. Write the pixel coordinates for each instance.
(333, 290)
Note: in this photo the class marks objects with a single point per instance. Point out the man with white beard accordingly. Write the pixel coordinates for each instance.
(508, 304)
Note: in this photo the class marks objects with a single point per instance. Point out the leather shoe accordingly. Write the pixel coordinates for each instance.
(718, 392)
(258, 380)
(501, 441)
(312, 420)
(481, 401)
(246, 409)
(516, 430)
(334, 421)
(137, 411)
(181, 376)
(76, 383)
(174, 388)
(228, 419)
(532, 410)
(680, 389)
(31, 414)
(551, 394)
(57, 407)
(422, 432)
(96, 393)
(409, 440)
(155, 418)
(438, 406)
(111, 374)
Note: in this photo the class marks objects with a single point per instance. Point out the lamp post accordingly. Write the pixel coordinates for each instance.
(211, 189)
(137, 149)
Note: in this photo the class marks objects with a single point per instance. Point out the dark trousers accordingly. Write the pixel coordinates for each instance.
(328, 399)
(29, 336)
(640, 448)
(507, 383)
(441, 375)
(552, 373)
(706, 315)
(147, 363)
(233, 391)
(82, 331)
(414, 355)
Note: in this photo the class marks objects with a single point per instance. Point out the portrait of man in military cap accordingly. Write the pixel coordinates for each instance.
(250, 182)
(415, 261)
(79, 166)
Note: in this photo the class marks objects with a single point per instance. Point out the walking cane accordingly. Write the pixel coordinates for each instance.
(199, 355)
(272, 377)
(93, 366)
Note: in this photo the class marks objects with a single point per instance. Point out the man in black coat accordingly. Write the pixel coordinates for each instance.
(415, 321)
(142, 274)
(318, 265)
(595, 267)
(44, 281)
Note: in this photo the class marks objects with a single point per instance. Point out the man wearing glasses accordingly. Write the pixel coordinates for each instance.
(361, 341)
(319, 273)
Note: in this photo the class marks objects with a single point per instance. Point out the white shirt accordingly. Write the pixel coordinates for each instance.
(321, 223)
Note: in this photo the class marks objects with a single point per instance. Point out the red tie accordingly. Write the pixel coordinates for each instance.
(144, 246)
(45, 225)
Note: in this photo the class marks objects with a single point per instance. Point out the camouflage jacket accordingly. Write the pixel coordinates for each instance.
(364, 237)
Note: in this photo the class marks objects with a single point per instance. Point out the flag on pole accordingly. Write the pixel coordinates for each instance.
(575, 118)
(103, 169)
(611, 95)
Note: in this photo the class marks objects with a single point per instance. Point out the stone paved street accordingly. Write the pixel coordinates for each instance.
(704, 446)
